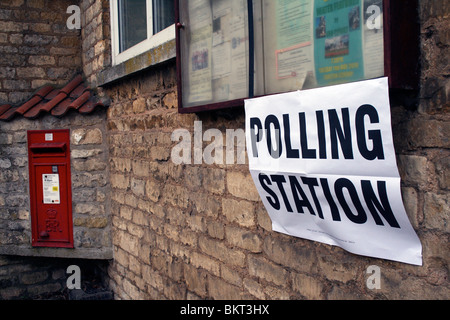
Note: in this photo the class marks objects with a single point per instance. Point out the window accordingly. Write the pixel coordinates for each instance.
(140, 25)
(230, 50)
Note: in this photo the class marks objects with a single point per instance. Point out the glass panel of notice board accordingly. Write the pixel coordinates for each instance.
(230, 50)
(318, 43)
(214, 51)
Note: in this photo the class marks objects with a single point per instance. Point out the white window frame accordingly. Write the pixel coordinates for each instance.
(151, 42)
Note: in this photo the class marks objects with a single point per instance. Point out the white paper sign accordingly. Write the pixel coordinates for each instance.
(324, 164)
(49, 137)
(50, 184)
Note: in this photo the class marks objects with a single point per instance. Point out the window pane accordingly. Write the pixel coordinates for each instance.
(163, 14)
(132, 23)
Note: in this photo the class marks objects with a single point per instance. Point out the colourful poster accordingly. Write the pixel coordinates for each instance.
(338, 41)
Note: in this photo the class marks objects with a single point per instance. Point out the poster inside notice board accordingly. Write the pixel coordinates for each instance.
(298, 44)
(215, 51)
(324, 42)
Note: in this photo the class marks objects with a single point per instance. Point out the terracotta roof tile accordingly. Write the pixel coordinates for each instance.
(28, 105)
(61, 109)
(78, 91)
(51, 94)
(9, 114)
(4, 108)
(44, 91)
(73, 96)
(72, 85)
(88, 107)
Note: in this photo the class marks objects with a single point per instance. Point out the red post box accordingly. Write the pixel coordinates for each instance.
(50, 188)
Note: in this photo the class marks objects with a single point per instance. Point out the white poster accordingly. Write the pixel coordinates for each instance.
(324, 164)
(50, 185)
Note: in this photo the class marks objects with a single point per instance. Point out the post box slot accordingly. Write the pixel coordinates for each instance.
(40, 148)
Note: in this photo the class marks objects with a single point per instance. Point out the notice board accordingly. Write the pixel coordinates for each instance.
(230, 50)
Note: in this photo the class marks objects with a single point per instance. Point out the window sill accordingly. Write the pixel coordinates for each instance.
(154, 56)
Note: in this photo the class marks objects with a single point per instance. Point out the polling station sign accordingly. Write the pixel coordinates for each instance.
(324, 164)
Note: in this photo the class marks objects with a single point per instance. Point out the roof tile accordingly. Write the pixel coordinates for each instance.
(72, 85)
(88, 107)
(9, 114)
(61, 109)
(4, 108)
(75, 95)
(53, 102)
(28, 105)
(44, 91)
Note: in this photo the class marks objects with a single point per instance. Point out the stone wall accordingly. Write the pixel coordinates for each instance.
(36, 273)
(90, 188)
(45, 278)
(96, 38)
(201, 232)
(36, 47)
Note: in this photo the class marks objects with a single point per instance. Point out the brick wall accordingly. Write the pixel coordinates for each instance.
(36, 47)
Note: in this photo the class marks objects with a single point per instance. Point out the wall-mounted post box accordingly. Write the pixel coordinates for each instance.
(50, 188)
